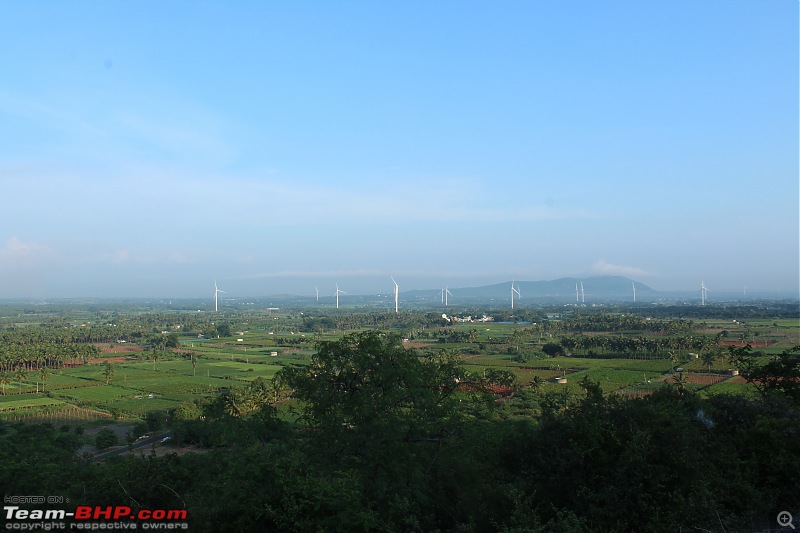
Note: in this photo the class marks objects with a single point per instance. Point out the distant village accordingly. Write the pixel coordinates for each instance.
(484, 318)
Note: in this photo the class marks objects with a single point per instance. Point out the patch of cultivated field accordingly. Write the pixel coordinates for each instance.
(29, 403)
(97, 394)
(172, 385)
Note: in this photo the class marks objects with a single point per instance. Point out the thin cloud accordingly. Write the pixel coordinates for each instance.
(20, 254)
(603, 267)
(120, 256)
(52, 116)
(198, 137)
(127, 130)
(244, 198)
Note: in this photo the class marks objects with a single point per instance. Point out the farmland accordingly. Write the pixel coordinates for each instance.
(58, 361)
(320, 417)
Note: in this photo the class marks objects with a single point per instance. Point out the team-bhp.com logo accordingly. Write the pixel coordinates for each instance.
(94, 518)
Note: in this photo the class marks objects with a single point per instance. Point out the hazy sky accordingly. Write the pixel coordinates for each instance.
(149, 148)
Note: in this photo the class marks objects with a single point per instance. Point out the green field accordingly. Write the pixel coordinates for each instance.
(28, 403)
(139, 384)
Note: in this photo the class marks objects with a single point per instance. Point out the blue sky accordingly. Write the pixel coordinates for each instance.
(149, 148)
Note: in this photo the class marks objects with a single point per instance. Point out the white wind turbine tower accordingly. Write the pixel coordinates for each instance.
(317, 289)
(337, 295)
(703, 292)
(396, 295)
(216, 292)
(514, 290)
(634, 291)
(446, 293)
(583, 294)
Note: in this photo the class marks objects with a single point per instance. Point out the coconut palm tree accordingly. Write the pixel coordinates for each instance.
(536, 384)
(708, 359)
(44, 374)
(20, 374)
(673, 357)
(680, 382)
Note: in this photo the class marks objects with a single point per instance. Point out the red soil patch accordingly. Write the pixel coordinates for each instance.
(117, 348)
(492, 388)
(71, 364)
(109, 359)
(417, 344)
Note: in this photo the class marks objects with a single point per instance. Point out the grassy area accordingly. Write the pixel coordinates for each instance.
(28, 403)
(94, 395)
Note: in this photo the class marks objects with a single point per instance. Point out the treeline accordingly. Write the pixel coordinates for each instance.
(606, 322)
(382, 439)
(638, 345)
(349, 321)
(114, 327)
(35, 356)
(763, 310)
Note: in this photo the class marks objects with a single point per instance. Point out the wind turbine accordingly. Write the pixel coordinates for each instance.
(703, 293)
(216, 291)
(513, 290)
(337, 295)
(317, 289)
(396, 294)
(583, 294)
(446, 292)
(634, 291)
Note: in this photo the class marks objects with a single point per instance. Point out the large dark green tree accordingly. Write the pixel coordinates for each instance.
(380, 412)
(367, 394)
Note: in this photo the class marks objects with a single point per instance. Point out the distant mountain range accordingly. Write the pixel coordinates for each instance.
(601, 288)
